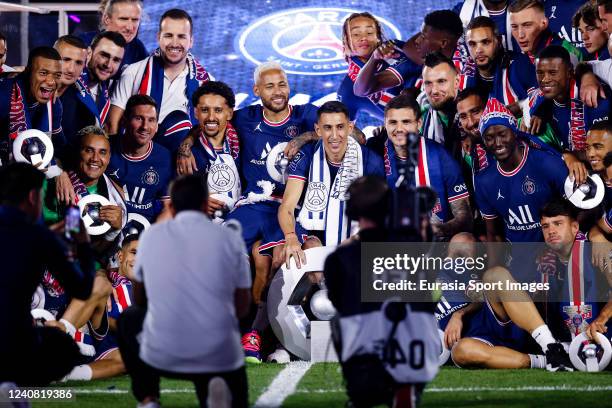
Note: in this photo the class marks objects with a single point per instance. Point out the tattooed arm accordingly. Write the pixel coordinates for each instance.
(462, 220)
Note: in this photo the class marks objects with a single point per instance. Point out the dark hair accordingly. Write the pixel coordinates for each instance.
(41, 52)
(137, 100)
(608, 160)
(116, 38)
(16, 182)
(71, 40)
(368, 197)
(520, 5)
(483, 22)
(556, 51)
(215, 88)
(602, 126)
(587, 12)
(402, 101)
(177, 14)
(346, 35)
(473, 91)
(129, 239)
(189, 193)
(446, 21)
(433, 59)
(2, 37)
(559, 206)
(607, 5)
(333, 107)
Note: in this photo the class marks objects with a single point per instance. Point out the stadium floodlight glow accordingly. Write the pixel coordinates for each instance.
(289, 302)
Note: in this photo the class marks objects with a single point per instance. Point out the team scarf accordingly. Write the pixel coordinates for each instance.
(577, 284)
(152, 82)
(504, 84)
(546, 38)
(428, 173)
(20, 117)
(223, 162)
(577, 130)
(378, 99)
(476, 8)
(100, 108)
(122, 293)
(433, 126)
(325, 203)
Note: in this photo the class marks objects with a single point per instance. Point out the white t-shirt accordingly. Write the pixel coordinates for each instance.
(173, 97)
(191, 269)
(603, 69)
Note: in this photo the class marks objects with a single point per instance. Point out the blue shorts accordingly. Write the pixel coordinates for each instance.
(486, 327)
(278, 238)
(258, 221)
(105, 346)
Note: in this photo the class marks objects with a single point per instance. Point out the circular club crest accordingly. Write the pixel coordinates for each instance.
(150, 177)
(316, 197)
(305, 41)
(529, 186)
(221, 178)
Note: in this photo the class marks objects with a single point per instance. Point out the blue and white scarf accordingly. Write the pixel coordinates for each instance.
(100, 108)
(152, 82)
(324, 202)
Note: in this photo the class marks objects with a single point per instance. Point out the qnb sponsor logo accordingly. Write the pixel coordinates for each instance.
(305, 41)
(460, 188)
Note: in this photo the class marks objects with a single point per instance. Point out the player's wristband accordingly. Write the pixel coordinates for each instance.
(289, 233)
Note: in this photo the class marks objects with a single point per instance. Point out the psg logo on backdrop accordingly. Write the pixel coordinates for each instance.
(305, 41)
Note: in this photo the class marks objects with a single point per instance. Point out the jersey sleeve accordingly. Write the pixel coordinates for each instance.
(125, 86)
(309, 116)
(374, 164)
(482, 199)
(603, 69)
(524, 73)
(299, 166)
(347, 97)
(557, 171)
(456, 189)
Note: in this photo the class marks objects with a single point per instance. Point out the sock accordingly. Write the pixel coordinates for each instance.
(537, 361)
(80, 373)
(261, 321)
(543, 337)
(70, 329)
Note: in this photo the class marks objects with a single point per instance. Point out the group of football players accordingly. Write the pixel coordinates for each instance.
(509, 99)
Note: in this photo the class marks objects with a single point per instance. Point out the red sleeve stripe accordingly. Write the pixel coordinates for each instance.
(459, 197)
(397, 74)
(292, 176)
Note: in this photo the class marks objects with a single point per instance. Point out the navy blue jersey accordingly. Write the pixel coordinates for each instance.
(144, 179)
(406, 71)
(519, 195)
(599, 55)
(258, 136)
(513, 80)
(134, 51)
(560, 13)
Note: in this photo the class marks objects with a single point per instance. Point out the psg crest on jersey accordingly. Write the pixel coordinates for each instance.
(305, 41)
(221, 178)
(529, 186)
(316, 200)
(150, 177)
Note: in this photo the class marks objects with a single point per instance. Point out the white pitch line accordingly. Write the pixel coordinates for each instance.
(483, 389)
(283, 385)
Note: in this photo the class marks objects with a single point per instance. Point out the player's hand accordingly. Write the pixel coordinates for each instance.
(590, 89)
(536, 125)
(215, 205)
(64, 190)
(452, 333)
(577, 170)
(113, 214)
(185, 162)
(293, 248)
(601, 255)
(384, 51)
(597, 326)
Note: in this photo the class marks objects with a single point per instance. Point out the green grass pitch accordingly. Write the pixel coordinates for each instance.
(322, 386)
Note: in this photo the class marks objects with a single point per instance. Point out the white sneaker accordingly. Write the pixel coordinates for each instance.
(219, 395)
(280, 356)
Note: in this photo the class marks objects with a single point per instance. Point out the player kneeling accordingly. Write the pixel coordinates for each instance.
(107, 361)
